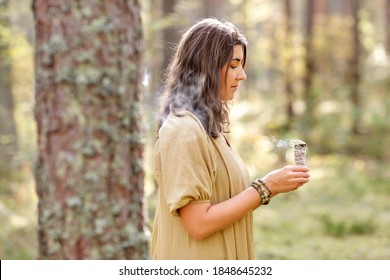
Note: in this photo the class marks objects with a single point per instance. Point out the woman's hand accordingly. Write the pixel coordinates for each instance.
(287, 179)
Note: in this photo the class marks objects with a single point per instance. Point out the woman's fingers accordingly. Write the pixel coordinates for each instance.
(300, 180)
(297, 168)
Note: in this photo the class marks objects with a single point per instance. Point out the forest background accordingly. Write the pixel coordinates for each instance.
(318, 70)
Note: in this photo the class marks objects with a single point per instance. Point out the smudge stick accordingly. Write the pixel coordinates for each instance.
(300, 154)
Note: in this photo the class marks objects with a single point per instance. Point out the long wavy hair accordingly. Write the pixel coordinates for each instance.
(192, 80)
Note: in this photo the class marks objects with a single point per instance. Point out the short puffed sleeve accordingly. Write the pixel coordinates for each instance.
(184, 162)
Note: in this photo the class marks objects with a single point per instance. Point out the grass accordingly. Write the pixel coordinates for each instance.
(343, 213)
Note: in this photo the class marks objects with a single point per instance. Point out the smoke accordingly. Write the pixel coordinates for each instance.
(294, 150)
(282, 145)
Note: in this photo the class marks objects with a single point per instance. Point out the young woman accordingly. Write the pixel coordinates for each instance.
(205, 198)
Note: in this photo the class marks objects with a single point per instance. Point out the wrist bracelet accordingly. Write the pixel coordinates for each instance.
(266, 186)
(258, 185)
(261, 193)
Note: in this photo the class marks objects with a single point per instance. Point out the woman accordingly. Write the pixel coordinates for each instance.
(205, 199)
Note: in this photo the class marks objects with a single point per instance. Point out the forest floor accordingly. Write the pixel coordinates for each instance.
(342, 214)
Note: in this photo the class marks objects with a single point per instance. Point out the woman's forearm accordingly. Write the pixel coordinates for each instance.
(203, 219)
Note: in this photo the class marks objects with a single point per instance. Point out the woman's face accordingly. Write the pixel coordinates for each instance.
(235, 73)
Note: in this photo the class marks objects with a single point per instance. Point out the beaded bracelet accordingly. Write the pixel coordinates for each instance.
(265, 185)
(261, 193)
(265, 199)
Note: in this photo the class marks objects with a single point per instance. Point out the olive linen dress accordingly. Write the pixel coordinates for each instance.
(192, 167)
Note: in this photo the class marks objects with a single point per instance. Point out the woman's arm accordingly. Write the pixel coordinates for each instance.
(203, 219)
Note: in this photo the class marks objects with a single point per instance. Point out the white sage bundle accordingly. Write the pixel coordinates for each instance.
(300, 154)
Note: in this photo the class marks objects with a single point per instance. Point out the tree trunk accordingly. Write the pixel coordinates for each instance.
(354, 68)
(387, 21)
(8, 137)
(170, 33)
(288, 79)
(213, 8)
(309, 92)
(89, 173)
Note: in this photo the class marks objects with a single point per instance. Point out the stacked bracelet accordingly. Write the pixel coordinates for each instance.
(266, 186)
(260, 186)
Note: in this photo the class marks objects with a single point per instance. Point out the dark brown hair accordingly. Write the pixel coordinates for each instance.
(193, 77)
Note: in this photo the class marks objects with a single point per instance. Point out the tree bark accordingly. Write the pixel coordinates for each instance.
(309, 92)
(8, 136)
(288, 79)
(387, 30)
(213, 8)
(89, 172)
(170, 32)
(354, 69)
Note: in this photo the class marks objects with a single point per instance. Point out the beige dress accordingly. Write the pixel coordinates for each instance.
(192, 167)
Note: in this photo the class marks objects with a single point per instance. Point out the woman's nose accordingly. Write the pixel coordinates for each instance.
(241, 75)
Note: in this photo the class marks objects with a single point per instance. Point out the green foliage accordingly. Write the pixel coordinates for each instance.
(341, 227)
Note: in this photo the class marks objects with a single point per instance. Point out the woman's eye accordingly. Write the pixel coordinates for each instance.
(233, 66)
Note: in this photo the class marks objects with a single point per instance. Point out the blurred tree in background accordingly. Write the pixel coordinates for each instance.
(318, 70)
(8, 137)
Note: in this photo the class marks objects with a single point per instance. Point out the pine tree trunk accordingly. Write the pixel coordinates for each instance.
(354, 69)
(213, 8)
(288, 64)
(8, 137)
(387, 21)
(309, 93)
(89, 173)
(169, 33)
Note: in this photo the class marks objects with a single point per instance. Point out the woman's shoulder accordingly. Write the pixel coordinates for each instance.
(183, 122)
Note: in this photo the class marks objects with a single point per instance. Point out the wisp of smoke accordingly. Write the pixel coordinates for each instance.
(283, 145)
